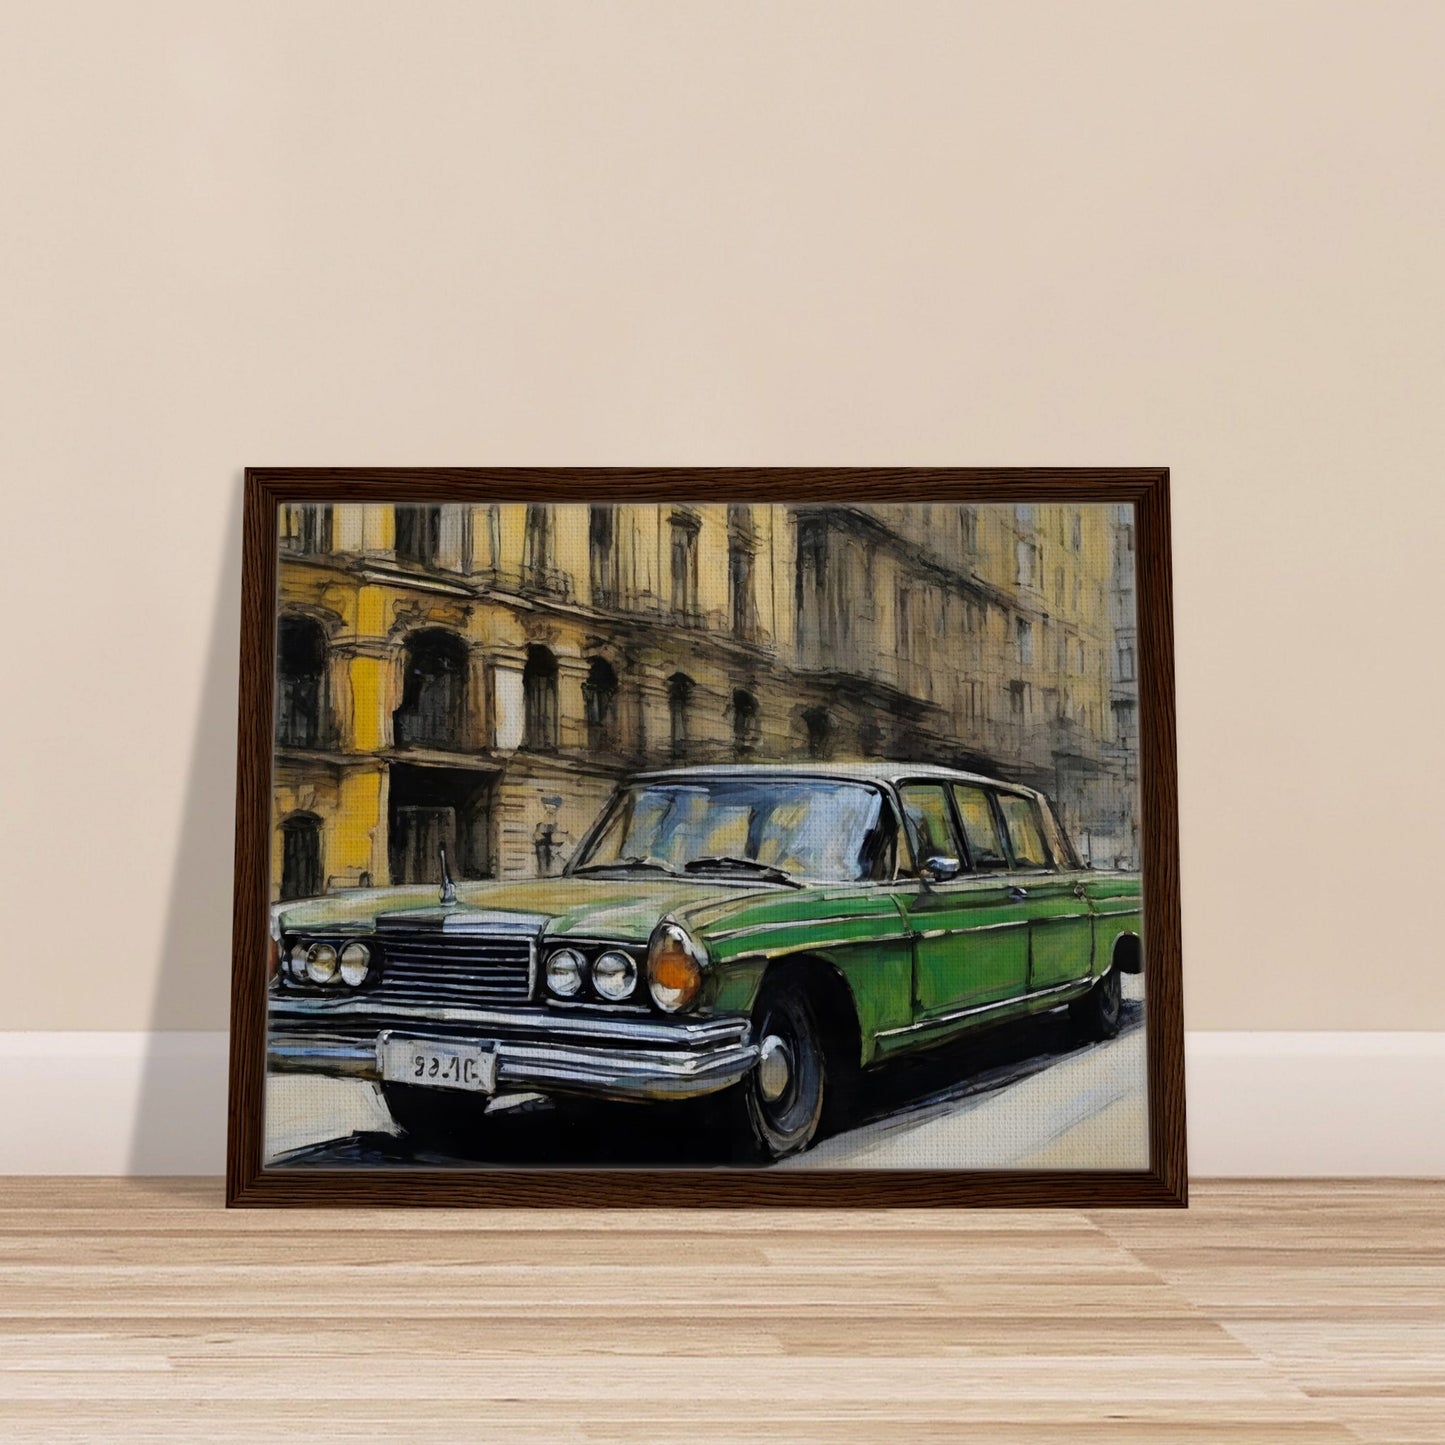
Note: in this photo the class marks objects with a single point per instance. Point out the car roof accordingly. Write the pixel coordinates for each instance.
(870, 772)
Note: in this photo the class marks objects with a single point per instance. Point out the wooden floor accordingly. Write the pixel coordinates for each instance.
(1268, 1312)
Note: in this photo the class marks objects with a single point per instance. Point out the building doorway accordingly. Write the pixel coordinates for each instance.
(432, 808)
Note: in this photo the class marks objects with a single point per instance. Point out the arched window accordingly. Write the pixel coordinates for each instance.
(434, 691)
(301, 856)
(679, 702)
(820, 731)
(599, 697)
(300, 683)
(539, 689)
(746, 727)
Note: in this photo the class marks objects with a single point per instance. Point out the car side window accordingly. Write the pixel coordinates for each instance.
(930, 824)
(1058, 840)
(1020, 817)
(980, 827)
(878, 858)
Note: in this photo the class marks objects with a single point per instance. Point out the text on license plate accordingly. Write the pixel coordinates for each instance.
(438, 1065)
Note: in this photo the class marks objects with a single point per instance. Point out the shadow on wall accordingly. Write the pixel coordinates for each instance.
(183, 1078)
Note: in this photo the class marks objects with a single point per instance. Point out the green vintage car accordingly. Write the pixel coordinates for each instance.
(756, 937)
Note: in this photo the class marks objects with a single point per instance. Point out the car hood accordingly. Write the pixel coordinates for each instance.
(624, 910)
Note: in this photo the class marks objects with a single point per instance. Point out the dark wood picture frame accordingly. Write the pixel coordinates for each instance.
(1164, 1182)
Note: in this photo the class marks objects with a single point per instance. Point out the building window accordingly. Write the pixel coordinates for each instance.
(434, 691)
(1059, 588)
(1076, 532)
(684, 569)
(1024, 633)
(820, 732)
(418, 534)
(746, 727)
(1026, 556)
(300, 683)
(492, 523)
(811, 581)
(968, 529)
(602, 555)
(740, 571)
(903, 624)
(1125, 719)
(305, 529)
(679, 706)
(539, 694)
(301, 856)
(973, 695)
(740, 587)
(1024, 514)
(812, 551)
(537, 548)
(1126, 660)
(599, 701)
(1020, 701)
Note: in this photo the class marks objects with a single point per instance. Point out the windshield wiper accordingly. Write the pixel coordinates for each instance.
(653, 865)
(765, 871)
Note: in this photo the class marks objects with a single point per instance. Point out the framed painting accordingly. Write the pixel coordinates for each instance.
(706, 836)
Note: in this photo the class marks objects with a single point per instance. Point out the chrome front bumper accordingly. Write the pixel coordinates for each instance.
(538, 1050)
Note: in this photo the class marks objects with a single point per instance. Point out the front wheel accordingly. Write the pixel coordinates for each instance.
(1096, 1015)
(777, 1109)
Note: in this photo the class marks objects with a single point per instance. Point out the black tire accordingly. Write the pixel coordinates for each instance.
(1096, 1016)
(436, 1118)
(778, 1109)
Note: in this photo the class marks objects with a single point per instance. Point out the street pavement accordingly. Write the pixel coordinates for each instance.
(1023, 1095)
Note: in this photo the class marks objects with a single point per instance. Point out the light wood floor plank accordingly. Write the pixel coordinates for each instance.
(1339, 1286)
(135, 1310)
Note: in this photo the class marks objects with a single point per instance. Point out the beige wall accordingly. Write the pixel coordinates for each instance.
(1211, 236)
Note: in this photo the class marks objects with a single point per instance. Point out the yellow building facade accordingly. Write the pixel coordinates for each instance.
(478, 677)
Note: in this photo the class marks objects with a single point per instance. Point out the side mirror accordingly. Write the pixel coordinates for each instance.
(940, 870)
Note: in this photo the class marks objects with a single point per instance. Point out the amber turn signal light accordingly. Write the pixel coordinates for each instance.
(674, 970)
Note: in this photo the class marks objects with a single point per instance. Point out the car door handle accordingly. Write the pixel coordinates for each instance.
(1018, 894)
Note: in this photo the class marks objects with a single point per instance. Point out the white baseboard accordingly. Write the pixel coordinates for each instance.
(1276, 1104)
(1301, 1105)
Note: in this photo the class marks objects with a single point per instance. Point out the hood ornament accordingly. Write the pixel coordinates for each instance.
(449, 889)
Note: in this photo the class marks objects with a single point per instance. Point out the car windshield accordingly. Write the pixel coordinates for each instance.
(768, 829)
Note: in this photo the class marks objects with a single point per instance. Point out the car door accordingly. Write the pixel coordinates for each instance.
(1060, 924)
(970, 944)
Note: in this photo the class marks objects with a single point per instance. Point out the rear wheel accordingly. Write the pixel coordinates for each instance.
(1096, 1015)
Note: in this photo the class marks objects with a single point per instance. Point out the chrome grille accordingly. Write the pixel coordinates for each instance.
(455, 969)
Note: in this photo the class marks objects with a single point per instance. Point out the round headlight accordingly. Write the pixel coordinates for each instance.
(321, 963)
(296, 963)
(674, 968)
(355, 964)
(565, 971)
(614, 975)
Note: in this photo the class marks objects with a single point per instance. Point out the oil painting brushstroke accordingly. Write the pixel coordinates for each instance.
(701, 835)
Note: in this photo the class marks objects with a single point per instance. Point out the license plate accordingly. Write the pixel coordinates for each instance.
(429, 1063)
